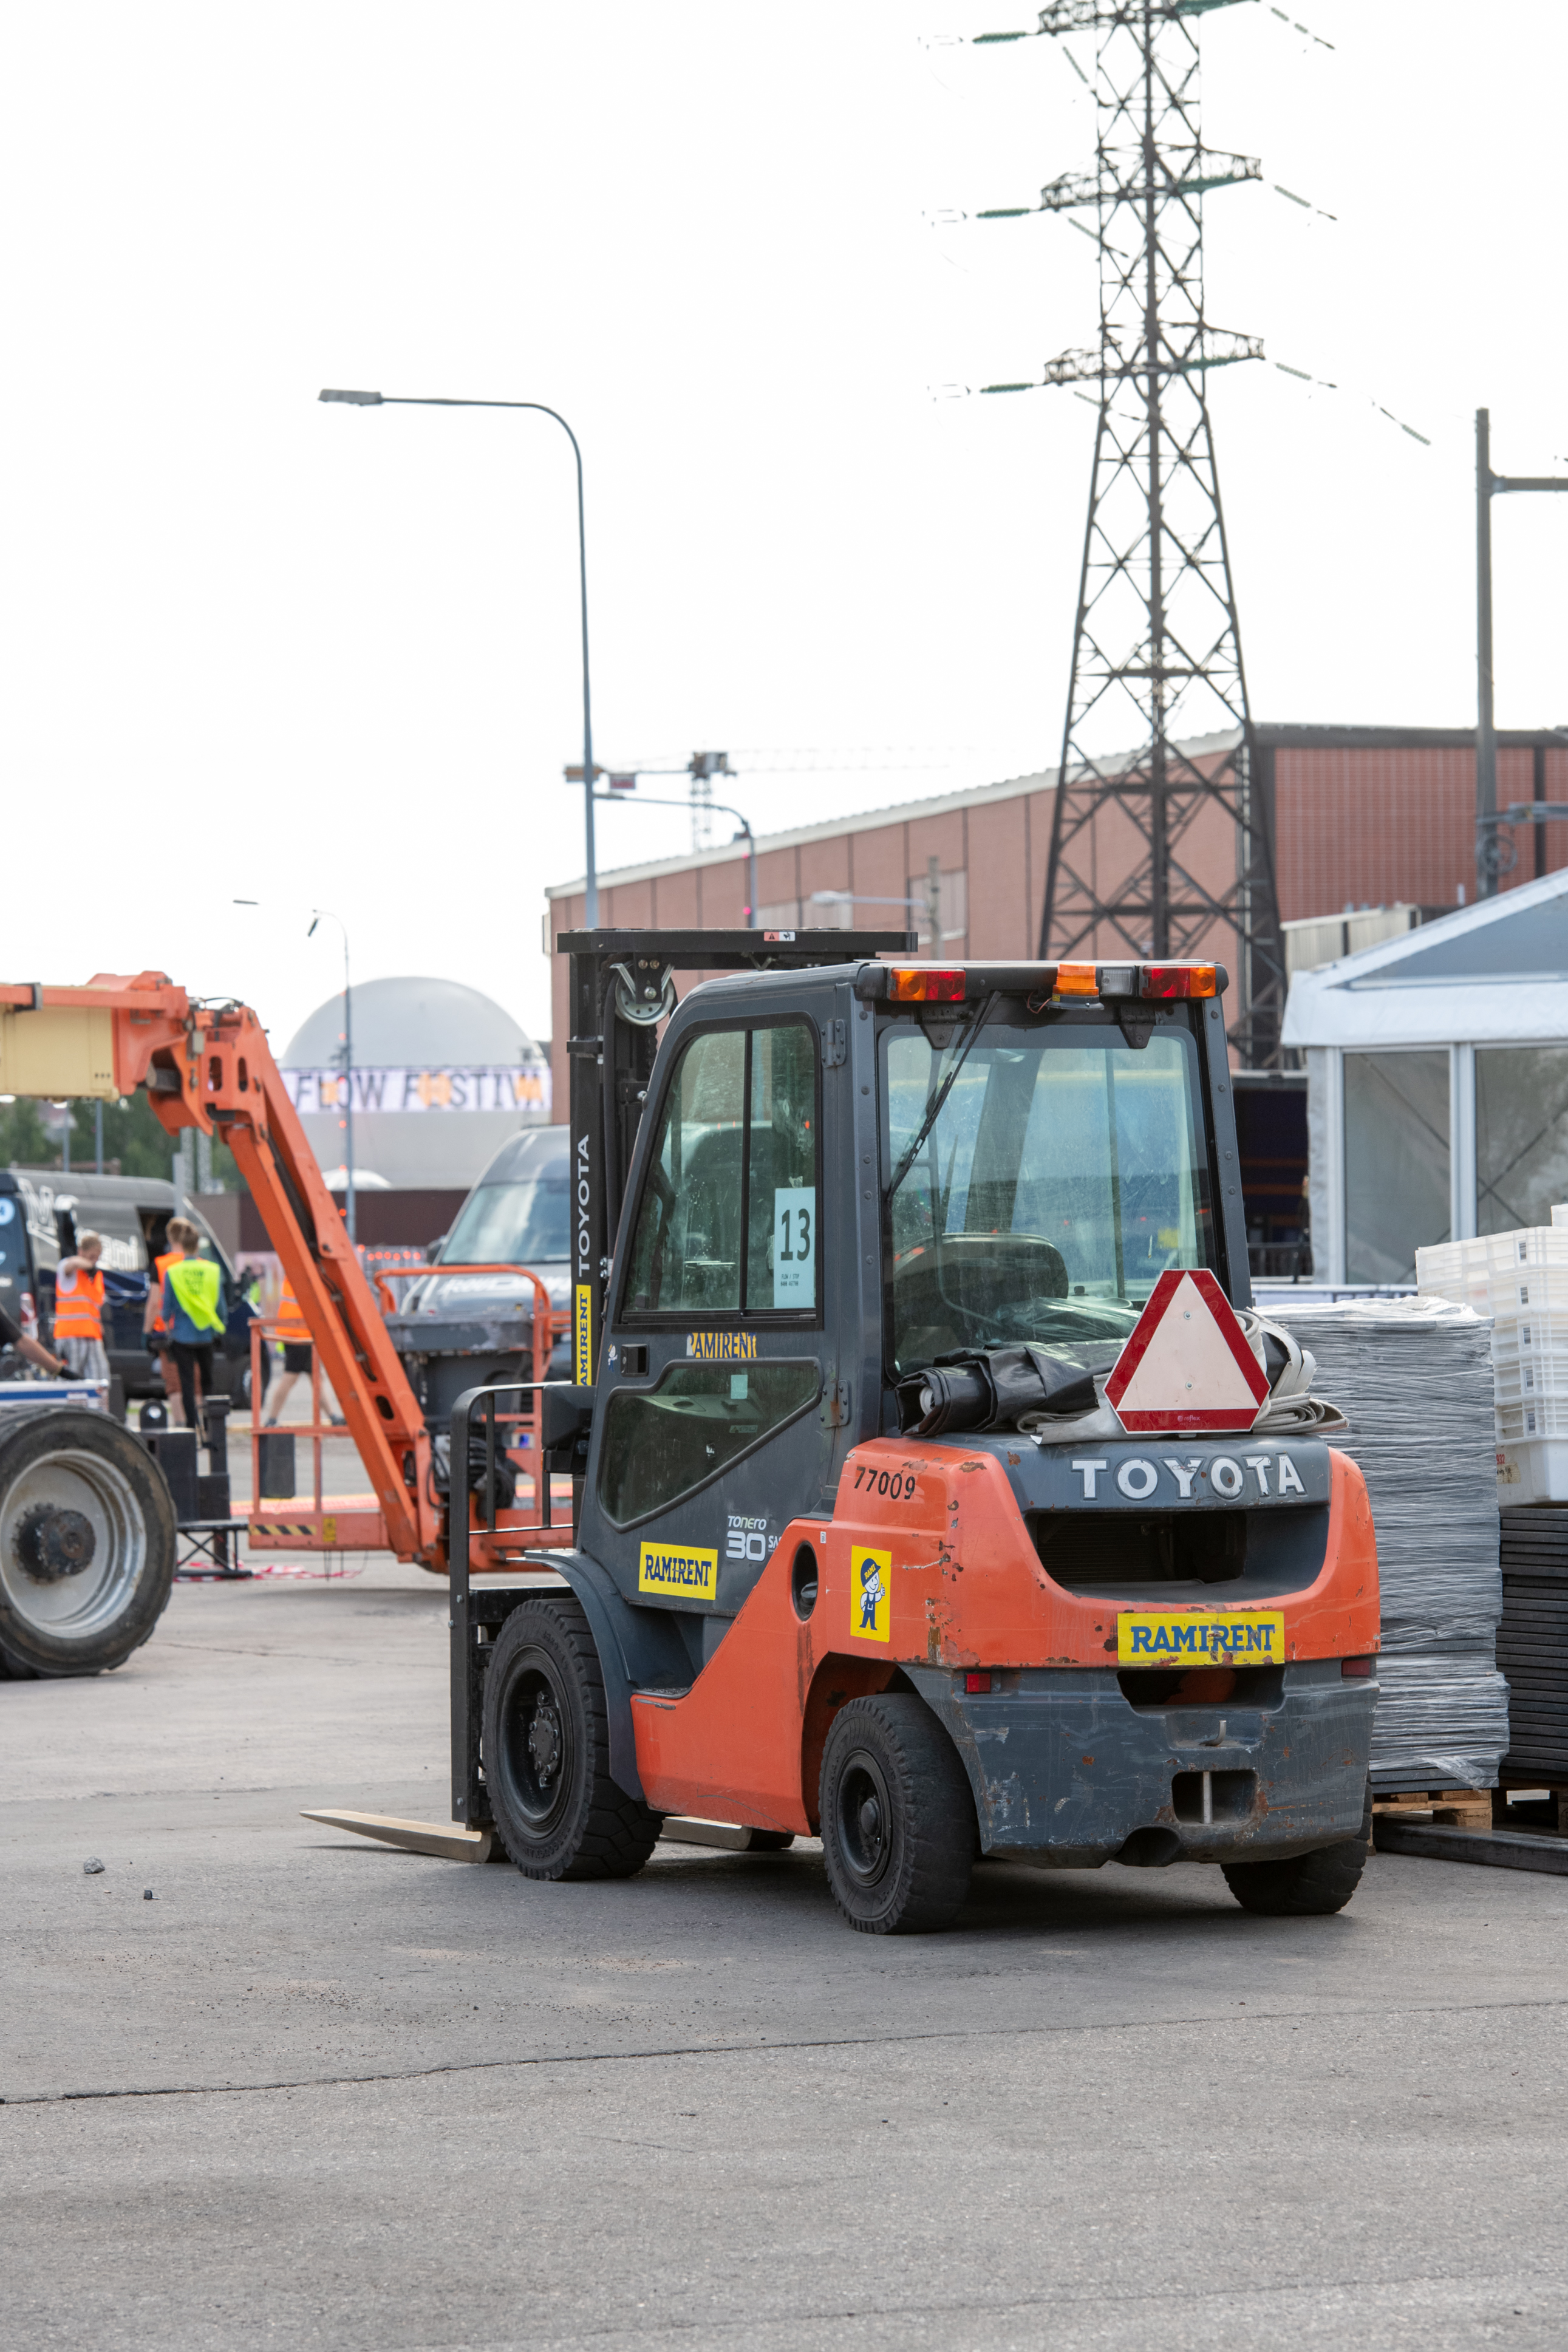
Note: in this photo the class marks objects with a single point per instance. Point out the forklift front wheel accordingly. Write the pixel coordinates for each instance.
(547, 1752)
(898, 1817)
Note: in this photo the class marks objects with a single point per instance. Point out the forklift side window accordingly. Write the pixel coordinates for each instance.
(781, 1188)
(729, 1214)
(665, 1441)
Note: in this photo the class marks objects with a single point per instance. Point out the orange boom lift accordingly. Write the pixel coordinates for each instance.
(208, 1066)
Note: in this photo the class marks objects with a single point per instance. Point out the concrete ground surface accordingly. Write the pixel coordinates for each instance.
(319, 2093)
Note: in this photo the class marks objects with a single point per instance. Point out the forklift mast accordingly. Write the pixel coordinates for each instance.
(622, 989)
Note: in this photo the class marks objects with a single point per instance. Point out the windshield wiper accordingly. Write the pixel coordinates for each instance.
(933, 1108)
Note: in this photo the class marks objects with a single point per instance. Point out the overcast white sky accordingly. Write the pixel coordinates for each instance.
(258, 647)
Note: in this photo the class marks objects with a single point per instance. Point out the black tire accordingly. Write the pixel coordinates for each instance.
(1307, 1887)
(88, 1544)
(547, 1752)
(898, 1817)
(771, 1840)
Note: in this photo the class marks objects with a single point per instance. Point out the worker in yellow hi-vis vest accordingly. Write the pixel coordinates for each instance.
(195, 1310)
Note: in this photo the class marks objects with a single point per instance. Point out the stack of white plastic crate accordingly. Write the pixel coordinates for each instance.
(1521, 1280)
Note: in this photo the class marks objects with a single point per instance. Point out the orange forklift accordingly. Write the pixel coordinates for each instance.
(935, 1488)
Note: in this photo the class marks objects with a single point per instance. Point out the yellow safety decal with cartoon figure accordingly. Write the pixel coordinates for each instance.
(871, 1595)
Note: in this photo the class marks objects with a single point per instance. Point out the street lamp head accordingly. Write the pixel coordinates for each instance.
(354, 399)
(312, 932)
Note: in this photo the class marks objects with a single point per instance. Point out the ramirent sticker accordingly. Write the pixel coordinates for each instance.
(582, 1334)
(1253, 1637)
(680, 1572)
(725, 1346)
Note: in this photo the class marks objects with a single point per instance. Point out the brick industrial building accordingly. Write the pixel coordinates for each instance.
(1362, 816)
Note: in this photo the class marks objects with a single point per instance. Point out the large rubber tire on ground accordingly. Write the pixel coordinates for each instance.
(1310, 1885)
(898, 1817)
(87, 1544)
(547, 1752)
(772, 1840)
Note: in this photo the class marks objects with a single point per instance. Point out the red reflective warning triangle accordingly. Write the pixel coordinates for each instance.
(1187, 1364)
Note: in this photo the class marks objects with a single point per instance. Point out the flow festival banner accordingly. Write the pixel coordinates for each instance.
(468, 1086)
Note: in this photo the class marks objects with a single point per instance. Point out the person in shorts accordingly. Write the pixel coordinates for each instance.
(294, 1338)
(79, 1310)
(155, 1331)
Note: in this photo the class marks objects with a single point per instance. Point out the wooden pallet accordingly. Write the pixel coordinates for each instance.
(1462, 1809)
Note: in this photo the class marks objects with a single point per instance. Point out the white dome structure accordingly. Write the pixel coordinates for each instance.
(441, 1076)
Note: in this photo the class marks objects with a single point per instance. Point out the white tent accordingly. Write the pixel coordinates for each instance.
(1438, 1083)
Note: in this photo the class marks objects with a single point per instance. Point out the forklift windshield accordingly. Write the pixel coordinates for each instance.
(1063, 1172)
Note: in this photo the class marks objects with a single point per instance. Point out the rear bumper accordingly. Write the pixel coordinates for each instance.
(1066, 1771)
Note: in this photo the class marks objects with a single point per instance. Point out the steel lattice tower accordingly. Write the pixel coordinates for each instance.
(1156, 645)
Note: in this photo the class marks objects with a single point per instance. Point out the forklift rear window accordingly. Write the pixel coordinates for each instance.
(661, 1443)
(1062, 1174)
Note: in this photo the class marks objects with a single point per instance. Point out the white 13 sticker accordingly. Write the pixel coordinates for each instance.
(795, 1245)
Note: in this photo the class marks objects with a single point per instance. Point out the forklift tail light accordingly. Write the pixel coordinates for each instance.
(1181, 980)
(1358, 1670)
(1077, 979)
(917, 984)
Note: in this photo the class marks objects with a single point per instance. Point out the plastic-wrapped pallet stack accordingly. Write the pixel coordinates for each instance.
(1521, 1280)
(1413, 1376)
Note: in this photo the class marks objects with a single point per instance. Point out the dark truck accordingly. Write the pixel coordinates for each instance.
(41, 1215)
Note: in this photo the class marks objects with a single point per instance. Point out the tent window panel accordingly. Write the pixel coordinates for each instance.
(1396, 1162)
(1521, 1135)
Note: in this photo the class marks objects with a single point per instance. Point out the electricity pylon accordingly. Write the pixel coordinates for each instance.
(1156, 645)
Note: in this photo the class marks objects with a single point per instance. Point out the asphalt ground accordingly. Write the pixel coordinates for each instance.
(319, 2093)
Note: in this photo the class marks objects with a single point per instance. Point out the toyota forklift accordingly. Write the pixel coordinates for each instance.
(936, 1490)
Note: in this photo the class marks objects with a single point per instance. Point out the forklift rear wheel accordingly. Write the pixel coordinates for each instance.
(1309, 1885)
(898, 1817)
(88, 1541)
(547, 1752)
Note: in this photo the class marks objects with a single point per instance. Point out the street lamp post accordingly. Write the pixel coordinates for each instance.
(396, 400)
(1489, 486)
(326, 914)
(625, 800)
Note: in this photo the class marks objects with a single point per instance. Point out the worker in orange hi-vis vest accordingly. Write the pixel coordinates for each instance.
(158, 1333)
(294, 1335)
(79, 1310)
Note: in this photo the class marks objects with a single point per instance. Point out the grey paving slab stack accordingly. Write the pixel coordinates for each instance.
(1414, 1377)
(1532, 1646)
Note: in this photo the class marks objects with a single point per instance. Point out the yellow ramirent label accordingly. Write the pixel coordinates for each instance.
(1172, 1637)
(582, 1334)
(726, 1346)
(678, 1572)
